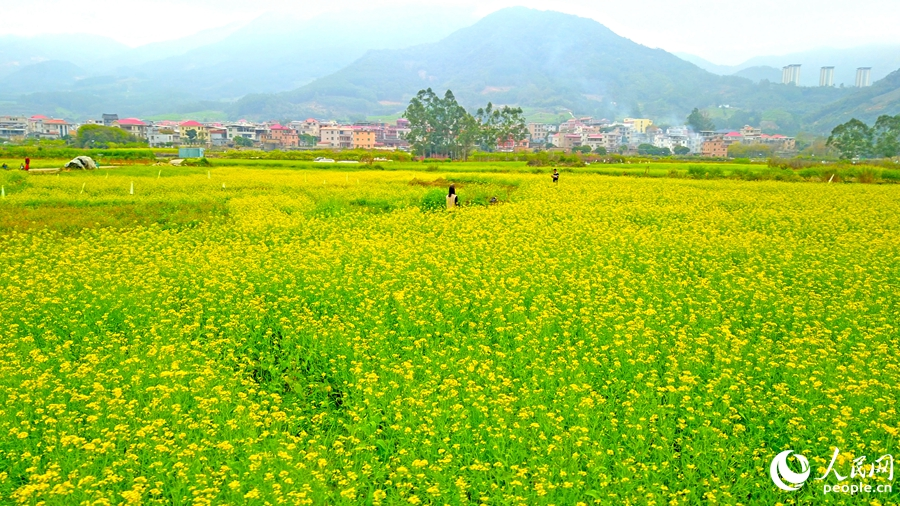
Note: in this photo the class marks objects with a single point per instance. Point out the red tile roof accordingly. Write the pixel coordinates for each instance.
(39, 116)
(131, 122)
(191, 124)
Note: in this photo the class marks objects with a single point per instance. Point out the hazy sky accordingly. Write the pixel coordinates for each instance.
(725, 32)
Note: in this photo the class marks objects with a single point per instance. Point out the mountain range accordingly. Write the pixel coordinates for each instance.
(271, 53)
(366, 64)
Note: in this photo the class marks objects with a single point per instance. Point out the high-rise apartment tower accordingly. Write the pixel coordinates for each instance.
(826, 76)
(791, 75)
(863, 77)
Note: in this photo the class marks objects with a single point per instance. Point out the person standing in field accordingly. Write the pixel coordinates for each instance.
(452, 199)
(555, 176)
(28, 164)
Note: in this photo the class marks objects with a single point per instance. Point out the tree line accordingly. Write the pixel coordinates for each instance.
(855, 139)
(439, 126)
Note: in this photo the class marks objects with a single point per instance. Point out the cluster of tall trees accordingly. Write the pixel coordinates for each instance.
(439, 126)
(855, 139)
(98, 136)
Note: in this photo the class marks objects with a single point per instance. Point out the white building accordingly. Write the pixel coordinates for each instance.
(158, 136)
(13, 127)
(336, 137)
(42, 127)
(310, 126)
(243, 129)
(791, 75)
(595, 141)
(863, 77)
(826, 77)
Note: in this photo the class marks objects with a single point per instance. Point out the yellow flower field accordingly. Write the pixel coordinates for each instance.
(276, 336)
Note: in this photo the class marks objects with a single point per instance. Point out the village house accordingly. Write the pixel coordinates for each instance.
(133, 126)
(538, 132)
(49, 128)
(218, 136)
(750, 135)
(595, 141)
(244, 129)
(13, 128)
(308, 127)
(363, 138)
(640, 125)
(778, 142)
(162, 136)
(572, 126)
(714, 148)
(336, 137)
(200, 135)
(733, 138)
(568, 141)
(279, 136)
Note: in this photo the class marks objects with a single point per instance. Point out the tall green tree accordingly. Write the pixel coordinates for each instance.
(512, 125)
(852, 139)
(419, 136)
(886, 136)
(489, 120)
(699, 121)
(469, 134)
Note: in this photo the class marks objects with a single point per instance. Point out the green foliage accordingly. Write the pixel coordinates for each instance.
(738, 150)
(356, 154)
(852, 139)
(243, 142)
(600, 150)
(651, 150)
(99, 136)
(886, 136)
(440, 126)
(308, 140)
(197, 162)
(60, 153)
(503, 125)
(699, 121)
(865, 104)
(434, 200)
(682, 150)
